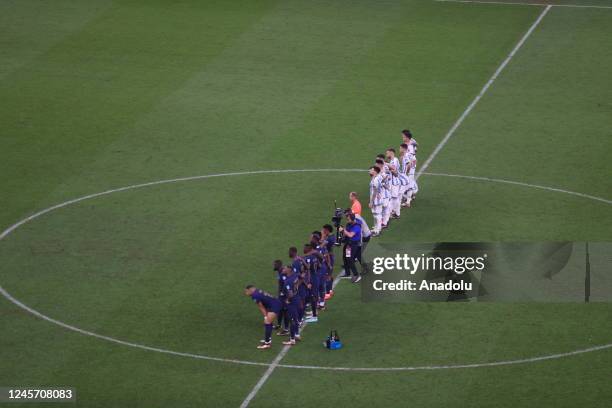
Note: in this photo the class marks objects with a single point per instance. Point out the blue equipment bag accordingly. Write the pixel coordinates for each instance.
(333, 341)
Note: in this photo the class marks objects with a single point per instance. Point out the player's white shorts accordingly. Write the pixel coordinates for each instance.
(395, 191)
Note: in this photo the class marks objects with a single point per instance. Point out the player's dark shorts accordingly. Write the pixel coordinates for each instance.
(315, 280)
(324, 272)
(275, 307)
(293, 310)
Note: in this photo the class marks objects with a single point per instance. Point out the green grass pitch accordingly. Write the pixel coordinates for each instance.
(101, 94)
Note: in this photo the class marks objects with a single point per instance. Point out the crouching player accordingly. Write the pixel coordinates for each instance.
(270, 307)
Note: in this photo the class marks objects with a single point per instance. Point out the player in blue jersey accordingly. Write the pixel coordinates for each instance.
(329, 239)
(282, 319)
(312, 261)
(297, 265)
(292, 304)
(324, 268)
(270, 307)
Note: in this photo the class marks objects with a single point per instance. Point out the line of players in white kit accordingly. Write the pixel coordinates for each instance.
(393, 182)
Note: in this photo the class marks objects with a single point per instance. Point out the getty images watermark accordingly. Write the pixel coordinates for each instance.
(488, 272)
(451, 266)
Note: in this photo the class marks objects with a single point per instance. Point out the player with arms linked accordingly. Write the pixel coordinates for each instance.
(292, 302)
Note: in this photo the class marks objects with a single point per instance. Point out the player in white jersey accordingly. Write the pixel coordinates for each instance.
(407, 138)
(386, 182)
(409, 163)
(403, 172)
(376, 198)
(395, 183)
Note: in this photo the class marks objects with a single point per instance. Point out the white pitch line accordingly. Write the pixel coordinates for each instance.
(455, 366)
(484, 89)
(516, 3)
(281, 354)
(519, 183)
(276, 363)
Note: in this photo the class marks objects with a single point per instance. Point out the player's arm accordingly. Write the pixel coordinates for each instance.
(290, 293)
(327, 260)
(308, 278)
(262, 309)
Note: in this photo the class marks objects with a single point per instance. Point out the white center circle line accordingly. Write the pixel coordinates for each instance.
(42, 316)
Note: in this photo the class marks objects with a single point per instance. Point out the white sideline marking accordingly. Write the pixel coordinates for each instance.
(275, 363)
(42, 316)
(281, 354)
(484, 89)
(525, 4)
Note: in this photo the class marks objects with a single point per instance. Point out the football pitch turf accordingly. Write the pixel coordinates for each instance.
(100, 95)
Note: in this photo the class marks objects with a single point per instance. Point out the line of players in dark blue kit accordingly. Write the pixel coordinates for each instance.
(304, 286)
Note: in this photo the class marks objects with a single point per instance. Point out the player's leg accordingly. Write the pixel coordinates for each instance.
(322, 286)
(395, 201)
(292, 311)
(386, 212)
(410, 192)
(313, 299)
(329, 286)
(279, 319)
(377, 214)
(268, 326)
(283, 322)
(302, 299)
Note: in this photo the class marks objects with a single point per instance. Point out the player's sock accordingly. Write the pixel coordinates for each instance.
(268, 336)
(378, 225)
